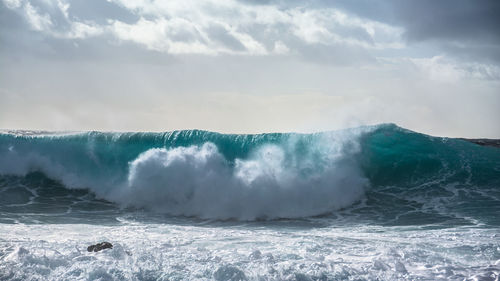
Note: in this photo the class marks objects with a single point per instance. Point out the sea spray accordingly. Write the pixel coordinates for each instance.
(199, 181)
(207, 175)
(267, 176)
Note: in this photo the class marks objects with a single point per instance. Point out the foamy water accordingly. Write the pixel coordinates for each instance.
(372, 203)
(187, 250)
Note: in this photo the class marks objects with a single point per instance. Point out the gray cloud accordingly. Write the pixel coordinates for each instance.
(210, 28)
(467, 29)
(99, 11)
(220, 34)
(463, 20)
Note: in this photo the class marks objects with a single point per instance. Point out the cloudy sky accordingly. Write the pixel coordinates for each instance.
(250, 66)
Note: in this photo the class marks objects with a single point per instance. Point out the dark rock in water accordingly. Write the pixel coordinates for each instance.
(485, 142)
(99, 247)
(229, 273)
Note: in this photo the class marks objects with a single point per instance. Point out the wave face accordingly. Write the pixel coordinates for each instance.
(264, 176)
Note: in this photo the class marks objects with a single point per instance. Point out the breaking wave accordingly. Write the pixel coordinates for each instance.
(264, 176)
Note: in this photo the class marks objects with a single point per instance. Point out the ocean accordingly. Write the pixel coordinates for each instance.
(368, 203)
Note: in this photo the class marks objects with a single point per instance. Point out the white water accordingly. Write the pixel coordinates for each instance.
(272, 182)
(225, 251)
(197, 181)
(360, 243)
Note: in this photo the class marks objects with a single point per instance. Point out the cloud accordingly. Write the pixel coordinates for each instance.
(53, 20)
(462, 20)
(444, 69)
(37, 21)
(12, 4)
(214, 27)
(236, 28)
(466, 29)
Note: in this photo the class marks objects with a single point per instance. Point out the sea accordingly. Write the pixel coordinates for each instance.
(368, 203)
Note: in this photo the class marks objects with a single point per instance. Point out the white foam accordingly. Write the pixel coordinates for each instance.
(21, 163)
(274, 181)
(199, 181)
(255, 251)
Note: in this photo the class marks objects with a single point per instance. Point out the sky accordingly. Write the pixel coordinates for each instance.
(250, 66)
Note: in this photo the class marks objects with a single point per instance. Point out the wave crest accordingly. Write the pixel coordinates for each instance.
(246, 177)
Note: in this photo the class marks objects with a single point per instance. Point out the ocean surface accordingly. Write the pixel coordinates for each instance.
(369, 203)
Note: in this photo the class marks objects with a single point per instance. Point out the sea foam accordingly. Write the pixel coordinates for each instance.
(199, 181)
(289, 178)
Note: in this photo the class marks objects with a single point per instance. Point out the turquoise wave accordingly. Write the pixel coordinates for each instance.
(399, 175)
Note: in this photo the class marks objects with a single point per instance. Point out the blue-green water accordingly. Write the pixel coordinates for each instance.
(383, 202)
